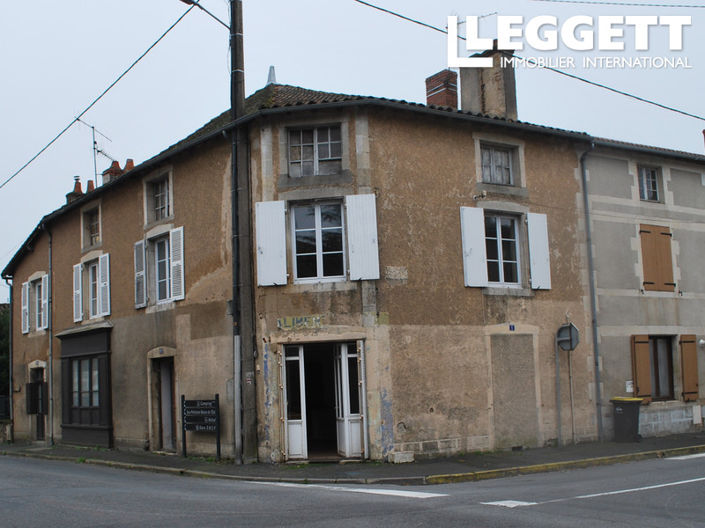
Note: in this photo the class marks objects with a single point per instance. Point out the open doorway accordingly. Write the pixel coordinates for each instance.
(323, 392)
(164, 403)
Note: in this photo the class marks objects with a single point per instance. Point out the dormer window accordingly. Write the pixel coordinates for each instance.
(315, 151)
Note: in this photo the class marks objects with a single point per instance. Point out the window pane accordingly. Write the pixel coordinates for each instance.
(307, 153)
(507, 227)
(491, 248)
(322, 135)
(306, 266)
(307, 168)
(332, 240)
(323, 151)
(332, 264)
(353, 384)
(85, 383)
(493, 271)
(335, 133)
(95, 386)
(295, 154)
(326, 168)
(75, 386)
(331, 216)
(307, 136)
(335, 150)
(294, 137)
(509, 250)
(295, 170)
(293, 390)
(490, 227)
(305, 242)
(304, 217)
(510, 272)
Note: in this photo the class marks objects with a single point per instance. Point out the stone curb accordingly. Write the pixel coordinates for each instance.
(399, 481)
(564, 465)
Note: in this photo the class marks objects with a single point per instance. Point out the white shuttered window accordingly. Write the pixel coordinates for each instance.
(176, 248)
(77, 293)
(539, 255)
(323, 246)
(270, 224)
(140, 275)
(104, 285)
(363, 250)
(25, 307)
(492, 246)
(44, 324)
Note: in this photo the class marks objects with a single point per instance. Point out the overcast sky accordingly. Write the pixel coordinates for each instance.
(56, 57)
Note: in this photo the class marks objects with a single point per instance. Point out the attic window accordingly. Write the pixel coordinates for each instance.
(91, 223)
(315, 151)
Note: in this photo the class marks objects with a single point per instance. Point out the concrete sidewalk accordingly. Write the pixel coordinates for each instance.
(471, 466)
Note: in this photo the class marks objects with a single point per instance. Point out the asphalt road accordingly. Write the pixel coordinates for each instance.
(663, 493)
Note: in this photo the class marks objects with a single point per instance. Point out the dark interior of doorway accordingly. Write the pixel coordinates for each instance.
(320, 401)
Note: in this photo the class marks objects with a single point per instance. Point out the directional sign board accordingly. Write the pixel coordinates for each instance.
(200, 416)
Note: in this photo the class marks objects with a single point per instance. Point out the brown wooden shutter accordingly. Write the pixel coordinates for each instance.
(656, 257)
(689, 368)
(641, 367)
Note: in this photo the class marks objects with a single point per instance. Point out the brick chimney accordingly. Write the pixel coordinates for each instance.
(442, 89)
(112, 172)
(77, 192)
(90, 186)
(490, 91)
(129, 165)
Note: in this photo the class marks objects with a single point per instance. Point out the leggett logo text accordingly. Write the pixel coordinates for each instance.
(578, 33)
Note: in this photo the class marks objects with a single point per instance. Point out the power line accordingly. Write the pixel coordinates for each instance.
(555, 70)
(78, 117)
(626, 4)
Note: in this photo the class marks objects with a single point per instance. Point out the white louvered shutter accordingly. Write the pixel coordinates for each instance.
(539, 254)
(45, 302)
(104, 284)
(77, 293)
(25, 307)
(176, 248)
(363, 250)
(140, 275)
(472, 228)
(270, 224)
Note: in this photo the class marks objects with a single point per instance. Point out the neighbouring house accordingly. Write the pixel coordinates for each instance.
(648, 224)
(407, 268)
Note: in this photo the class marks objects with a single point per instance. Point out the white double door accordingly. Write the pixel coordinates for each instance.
(348, 400)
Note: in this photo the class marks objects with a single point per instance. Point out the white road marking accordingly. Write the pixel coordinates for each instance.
(370, 491)
(687, 457)
(515, 504)
(509, 503)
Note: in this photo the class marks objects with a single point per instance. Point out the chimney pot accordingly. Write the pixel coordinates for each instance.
(112, 172)
(90, 186)
(129, 165)
(76, 193)
(442, 89)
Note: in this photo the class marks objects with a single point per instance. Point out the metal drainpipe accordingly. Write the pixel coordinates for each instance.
(593, 292)
(12, 421)
(50, 330)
